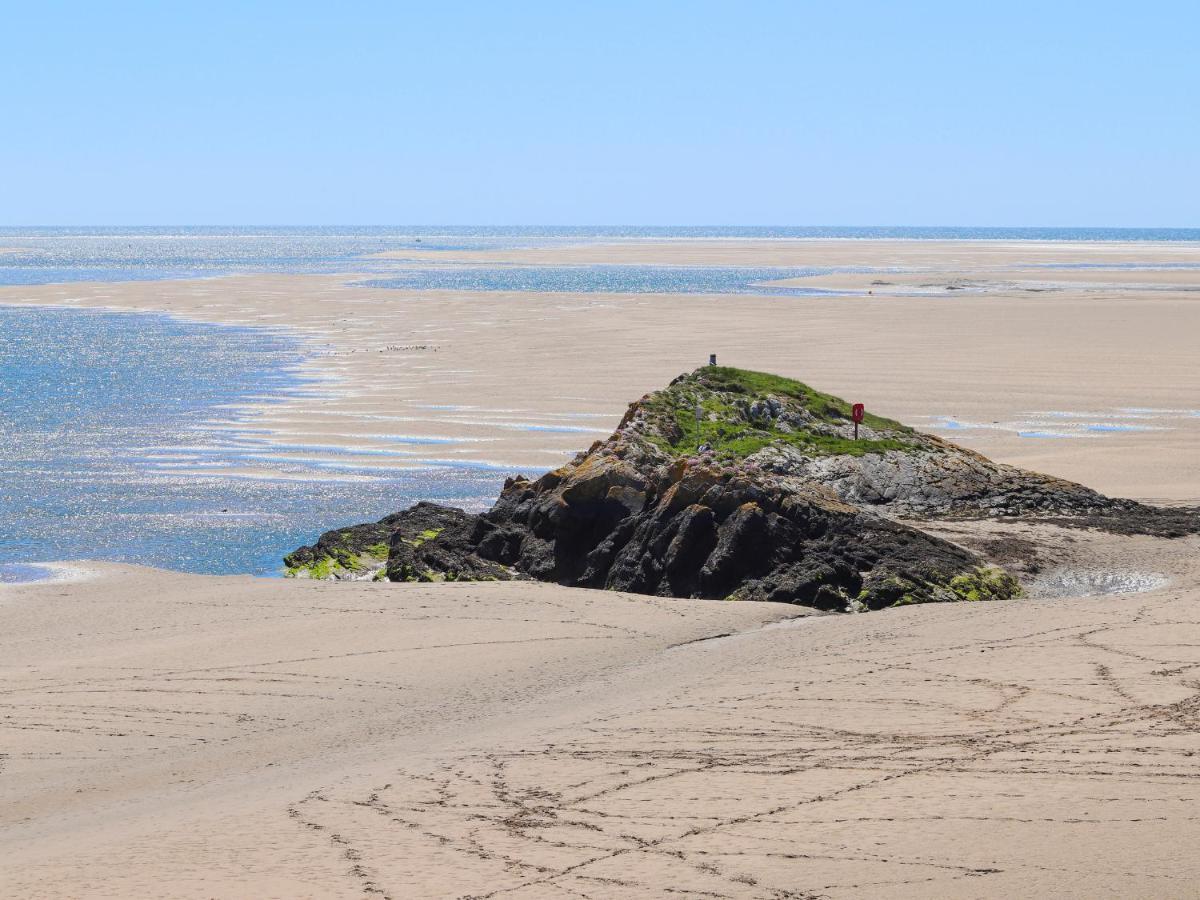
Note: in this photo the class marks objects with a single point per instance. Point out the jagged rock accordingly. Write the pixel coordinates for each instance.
(764, 495)
(440, 544)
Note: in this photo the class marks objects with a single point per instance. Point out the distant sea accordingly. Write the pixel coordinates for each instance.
(89, 399)
(47, 255)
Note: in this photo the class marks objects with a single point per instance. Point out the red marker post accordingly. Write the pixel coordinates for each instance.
(857, 411)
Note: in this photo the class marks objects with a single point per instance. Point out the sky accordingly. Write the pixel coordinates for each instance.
(612, 112)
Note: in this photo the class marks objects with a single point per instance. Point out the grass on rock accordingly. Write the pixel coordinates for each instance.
(723, 395)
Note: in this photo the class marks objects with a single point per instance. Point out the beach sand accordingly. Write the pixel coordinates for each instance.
(936, 255)
(184, 736)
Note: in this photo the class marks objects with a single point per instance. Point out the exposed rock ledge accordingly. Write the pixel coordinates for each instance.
(738, 485)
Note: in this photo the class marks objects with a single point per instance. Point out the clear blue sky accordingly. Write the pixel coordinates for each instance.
(836, 113)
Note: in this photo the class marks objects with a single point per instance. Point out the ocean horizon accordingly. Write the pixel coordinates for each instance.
(64, 254)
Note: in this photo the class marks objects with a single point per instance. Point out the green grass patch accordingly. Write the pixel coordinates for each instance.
(723, 395)
(756, 385)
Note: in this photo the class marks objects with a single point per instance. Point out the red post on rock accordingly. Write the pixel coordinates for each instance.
(857, 411)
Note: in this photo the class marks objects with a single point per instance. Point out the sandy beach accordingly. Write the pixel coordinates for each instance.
(185, 736)
(182, 736)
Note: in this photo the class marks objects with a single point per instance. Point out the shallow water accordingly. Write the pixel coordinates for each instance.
(52, 255)
(1070, 583)
(1070, 424)
(615, 279)
(97, 408)
(21, 573)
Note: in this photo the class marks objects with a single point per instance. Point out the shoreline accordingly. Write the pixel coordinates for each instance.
(56, 572)
(455, 365)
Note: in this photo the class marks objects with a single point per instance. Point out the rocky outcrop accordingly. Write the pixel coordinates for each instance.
(696, 531)
(366, 552)
(742, 485)
(437, 544)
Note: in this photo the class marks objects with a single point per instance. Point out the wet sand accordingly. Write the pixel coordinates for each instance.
(183, 736)
(523, 380)
(940, 255)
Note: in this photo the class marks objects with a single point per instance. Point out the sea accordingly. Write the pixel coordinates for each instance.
(94, 404)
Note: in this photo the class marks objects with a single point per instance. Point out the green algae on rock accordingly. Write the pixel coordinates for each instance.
(362, 552)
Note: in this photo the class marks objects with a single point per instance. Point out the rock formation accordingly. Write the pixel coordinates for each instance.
(362, 552)
(738, 485)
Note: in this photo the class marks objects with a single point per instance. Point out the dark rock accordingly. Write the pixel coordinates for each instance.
(360, 552)
(439, 543)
